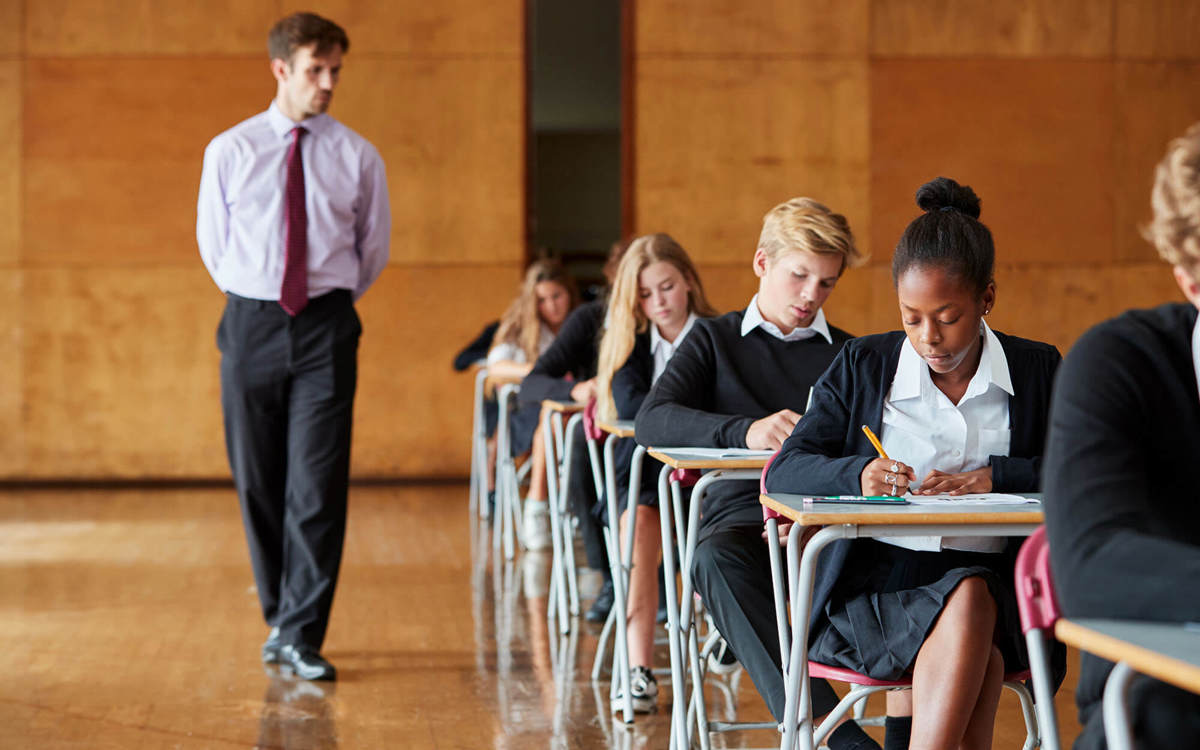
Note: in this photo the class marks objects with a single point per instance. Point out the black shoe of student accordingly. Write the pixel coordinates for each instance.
(307, 663)
(661, 617)
(271, 646)
(599, 610)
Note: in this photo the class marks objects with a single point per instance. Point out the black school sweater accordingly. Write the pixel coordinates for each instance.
(717, 384)
(1122, 481)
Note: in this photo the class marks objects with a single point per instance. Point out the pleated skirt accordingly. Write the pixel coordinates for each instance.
(888, 600)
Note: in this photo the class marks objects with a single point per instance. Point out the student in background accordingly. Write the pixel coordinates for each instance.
(567, 372)
(526, 330)
(656, 299)
(1121, 461)
(741, 381)
(959, 408)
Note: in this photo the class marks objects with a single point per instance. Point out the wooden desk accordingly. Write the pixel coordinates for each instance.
(1165, 651)
(622, 428)
(727, 464)
(851, 521)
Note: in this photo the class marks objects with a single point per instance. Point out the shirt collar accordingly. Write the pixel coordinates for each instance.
(283, 125)
(1196, 352)
(754, 319)
(911, 371)
(656, 339)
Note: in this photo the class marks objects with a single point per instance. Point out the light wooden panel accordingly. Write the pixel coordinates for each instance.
(120, 373)
(450, 132)
(1057, 304)
(1036, 144)
(12, 442)
(10, 161)
(414, 27)
(719, 142)
(769, 28)
(1155, 103)
(413, 412)
(984, 28)
(10, 28)
(136, 27)
(115, 146)
(1157, 29)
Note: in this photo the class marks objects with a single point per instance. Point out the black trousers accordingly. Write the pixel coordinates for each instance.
(287, 390)
(732, 574)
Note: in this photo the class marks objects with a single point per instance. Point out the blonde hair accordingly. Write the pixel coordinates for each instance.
(625, 316)
(804, 224)
(520, 323)
(1175, 229)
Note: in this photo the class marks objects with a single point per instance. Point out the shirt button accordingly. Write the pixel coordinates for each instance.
(957, 453)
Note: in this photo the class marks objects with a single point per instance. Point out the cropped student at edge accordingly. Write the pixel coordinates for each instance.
(959, 408)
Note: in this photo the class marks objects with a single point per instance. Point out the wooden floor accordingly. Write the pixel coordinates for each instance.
(129, 620)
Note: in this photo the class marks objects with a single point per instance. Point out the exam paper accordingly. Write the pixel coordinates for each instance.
(721, 452)
(985, 498)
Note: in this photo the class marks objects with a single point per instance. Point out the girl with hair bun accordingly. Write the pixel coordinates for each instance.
(960, 409)
(656, 298)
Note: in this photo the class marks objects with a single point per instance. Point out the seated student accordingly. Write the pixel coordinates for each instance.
(1121, 468)
(656, 299)
(566, 371)
(740, 381)
(959, 408)
(526, 330)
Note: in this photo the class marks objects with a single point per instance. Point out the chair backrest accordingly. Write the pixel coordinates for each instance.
(590, 430)
(1035, 584)
(768, 514)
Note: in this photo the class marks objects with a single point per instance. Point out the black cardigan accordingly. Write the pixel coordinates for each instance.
(827, 451)
(1122, 482)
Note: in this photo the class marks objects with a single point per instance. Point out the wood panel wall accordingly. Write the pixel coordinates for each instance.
(107, 316)
(1055, 111)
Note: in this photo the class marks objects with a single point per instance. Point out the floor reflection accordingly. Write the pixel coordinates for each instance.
(296, 714)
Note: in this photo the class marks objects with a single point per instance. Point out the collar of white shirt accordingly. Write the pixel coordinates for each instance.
(1196, 353)
(912, 371)
(657, 341)
(754, 319)
(283, 125)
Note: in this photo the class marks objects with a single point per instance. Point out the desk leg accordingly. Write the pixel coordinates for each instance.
(568, 534)
(620, 668)
(678, 686)
(557, 603)
(797, 712)
(1117, 731)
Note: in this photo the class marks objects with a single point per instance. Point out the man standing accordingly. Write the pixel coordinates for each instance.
(293, 225)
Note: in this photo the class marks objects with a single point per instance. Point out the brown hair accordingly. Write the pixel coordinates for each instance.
(520, 323)
(1175, 229)
(625, 316)
(302, 29)
(805, 224)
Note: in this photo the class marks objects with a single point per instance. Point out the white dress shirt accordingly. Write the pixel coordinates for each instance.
(511, 351)
(662, 349)
(240, 218)
(754, 319)
(924, 429)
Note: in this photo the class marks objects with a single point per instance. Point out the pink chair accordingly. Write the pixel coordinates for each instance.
(1039, 612)
(862, 686)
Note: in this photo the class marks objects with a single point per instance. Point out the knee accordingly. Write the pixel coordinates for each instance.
(972, 598)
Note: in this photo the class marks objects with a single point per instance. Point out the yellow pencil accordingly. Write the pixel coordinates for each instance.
(875, 441)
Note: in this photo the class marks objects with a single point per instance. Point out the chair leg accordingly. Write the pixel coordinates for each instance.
(1032, 738)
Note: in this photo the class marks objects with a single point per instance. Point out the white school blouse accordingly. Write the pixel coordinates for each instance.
(924, 429)
(511, 351)
(662, 350)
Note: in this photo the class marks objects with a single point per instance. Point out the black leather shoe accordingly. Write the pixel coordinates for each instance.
(598, 612)
(271, 646)
(661, 616)
(307, 663)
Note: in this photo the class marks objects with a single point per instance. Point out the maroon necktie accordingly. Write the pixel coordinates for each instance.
(293, 295)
